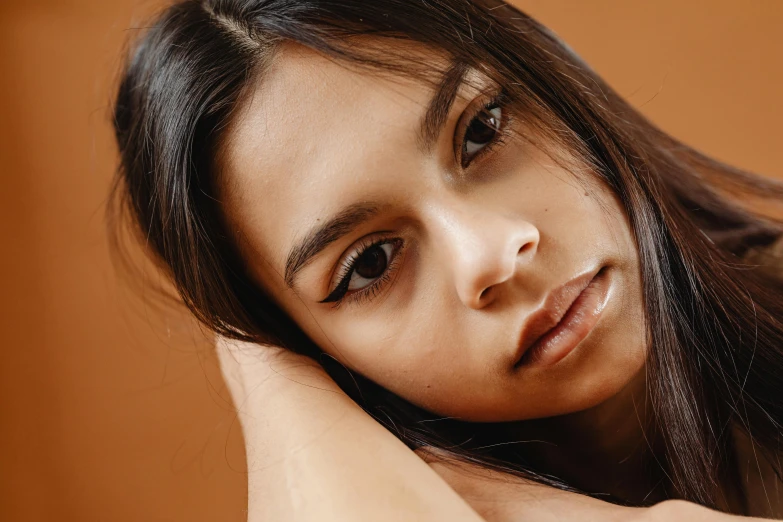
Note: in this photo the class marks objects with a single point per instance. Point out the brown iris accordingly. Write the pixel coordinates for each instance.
(372, 263)
(483, 128)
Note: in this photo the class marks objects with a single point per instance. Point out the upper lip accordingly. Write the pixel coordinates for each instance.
(551, 312)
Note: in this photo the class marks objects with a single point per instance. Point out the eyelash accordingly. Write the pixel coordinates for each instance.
(340, 294)
(347, 267)
(500, 101)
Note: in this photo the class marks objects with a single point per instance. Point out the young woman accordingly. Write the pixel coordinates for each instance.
(431, 216)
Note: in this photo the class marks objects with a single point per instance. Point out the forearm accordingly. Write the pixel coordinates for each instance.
(313, 454)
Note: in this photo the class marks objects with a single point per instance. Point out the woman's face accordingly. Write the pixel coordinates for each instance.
(468, 273)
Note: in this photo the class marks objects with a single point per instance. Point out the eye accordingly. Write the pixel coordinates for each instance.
(483, 129)
(366, 270)
(370, 265)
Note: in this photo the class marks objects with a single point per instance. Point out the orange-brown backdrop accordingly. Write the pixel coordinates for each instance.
(111, 409)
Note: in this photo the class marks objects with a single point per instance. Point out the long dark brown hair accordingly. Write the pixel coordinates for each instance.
(714, 322)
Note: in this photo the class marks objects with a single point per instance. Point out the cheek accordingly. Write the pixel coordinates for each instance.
(419, 356)
(395, 350)
(583, 218)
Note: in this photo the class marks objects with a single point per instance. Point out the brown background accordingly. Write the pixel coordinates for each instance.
(110, 409)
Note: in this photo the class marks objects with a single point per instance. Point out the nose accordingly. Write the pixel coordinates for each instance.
(487, 251)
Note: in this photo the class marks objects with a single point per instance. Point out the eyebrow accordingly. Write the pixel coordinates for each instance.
(349, 218)
(440, 105)
(320, 237)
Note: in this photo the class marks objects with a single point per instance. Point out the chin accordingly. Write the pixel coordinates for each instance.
(593, 385)
(580, 382)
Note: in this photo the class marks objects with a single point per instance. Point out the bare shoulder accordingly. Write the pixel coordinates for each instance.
(504, 497)
(687, 511)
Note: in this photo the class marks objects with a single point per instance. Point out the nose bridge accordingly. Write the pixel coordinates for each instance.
(484, 247)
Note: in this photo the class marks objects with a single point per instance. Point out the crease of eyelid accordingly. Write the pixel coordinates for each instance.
(315, 241)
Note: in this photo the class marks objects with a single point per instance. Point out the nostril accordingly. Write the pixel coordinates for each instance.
(524, 248)
(484, 293)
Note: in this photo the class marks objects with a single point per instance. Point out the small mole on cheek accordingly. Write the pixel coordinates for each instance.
(586, 194)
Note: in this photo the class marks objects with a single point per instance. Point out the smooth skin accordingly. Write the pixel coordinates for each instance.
(315, 455)
(462, 253)
(477, 250)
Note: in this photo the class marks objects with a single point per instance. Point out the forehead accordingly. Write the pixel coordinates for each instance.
(314, 136)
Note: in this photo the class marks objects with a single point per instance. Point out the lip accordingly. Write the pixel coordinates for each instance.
(566, 317)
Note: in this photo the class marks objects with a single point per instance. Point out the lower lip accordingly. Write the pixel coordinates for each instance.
(577, 323)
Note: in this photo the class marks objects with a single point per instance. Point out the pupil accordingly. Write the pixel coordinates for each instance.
(482, 129)
(372, 263)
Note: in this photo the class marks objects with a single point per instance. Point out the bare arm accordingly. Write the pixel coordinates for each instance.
(314, 454)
